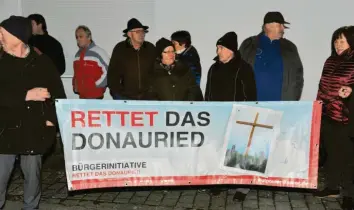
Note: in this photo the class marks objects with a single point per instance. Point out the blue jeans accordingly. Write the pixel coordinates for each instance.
(31, 166)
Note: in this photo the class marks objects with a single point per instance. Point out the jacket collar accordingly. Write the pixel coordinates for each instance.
(281, 40)
(87, 48)
(91, 45)
(236, 58)
(186, 50)
(346, 55)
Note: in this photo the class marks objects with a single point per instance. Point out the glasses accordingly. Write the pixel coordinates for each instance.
(139, 31)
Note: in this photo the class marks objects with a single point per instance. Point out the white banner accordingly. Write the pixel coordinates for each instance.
(139, 143)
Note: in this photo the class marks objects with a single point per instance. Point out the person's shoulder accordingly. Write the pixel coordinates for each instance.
(52, 38)
(182, 67)
(249, 40)
(193, 50)
(289, 44)
(121, 44)
(331, 58)
(42, 61)
(215, 63)
(149, 45)
(99, 50)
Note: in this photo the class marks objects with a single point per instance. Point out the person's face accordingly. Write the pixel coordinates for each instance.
(82, 39)
(341, 44)
(277, 30)
(7, 40)
(36, 28)
(168, 55)
(137, 35)
(178, 46)
(224, 54)
(1, 37)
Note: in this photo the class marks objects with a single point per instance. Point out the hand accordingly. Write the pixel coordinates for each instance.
(48, 123)
(345, 91)
(37, 94)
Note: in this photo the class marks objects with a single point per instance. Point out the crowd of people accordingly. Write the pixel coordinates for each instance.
(265, 67)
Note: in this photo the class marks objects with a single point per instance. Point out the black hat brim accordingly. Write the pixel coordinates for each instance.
(128, 29)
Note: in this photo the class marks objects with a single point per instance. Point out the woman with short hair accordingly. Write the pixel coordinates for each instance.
(334, 89)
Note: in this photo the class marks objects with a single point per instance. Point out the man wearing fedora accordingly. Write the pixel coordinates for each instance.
(131, 63)
(277, 66)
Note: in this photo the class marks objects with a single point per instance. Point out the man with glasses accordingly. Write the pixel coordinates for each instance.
(131, 63)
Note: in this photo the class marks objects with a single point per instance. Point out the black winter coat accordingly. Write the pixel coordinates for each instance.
(52, 48)
(129, 70)
(174, 83)
(232, 81)
(23, 127)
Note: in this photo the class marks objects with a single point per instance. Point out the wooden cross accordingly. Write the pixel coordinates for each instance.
(254, 125)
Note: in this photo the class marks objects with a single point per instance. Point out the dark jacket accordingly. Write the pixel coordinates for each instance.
(232, 81)
(52, 48)
(293, 76)
(129, 70)
(174, 83)
(191, 58)
(350, 104)
(23, 127)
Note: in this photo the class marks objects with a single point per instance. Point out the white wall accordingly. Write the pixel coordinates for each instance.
(9, 7)
(105, 18)
(312, 24)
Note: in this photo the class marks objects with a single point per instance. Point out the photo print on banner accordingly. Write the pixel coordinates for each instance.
(250, 134)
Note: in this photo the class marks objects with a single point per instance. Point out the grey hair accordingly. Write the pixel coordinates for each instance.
(86, 30)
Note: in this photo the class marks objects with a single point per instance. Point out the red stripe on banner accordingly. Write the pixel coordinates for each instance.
(190, 180)
(315, 143)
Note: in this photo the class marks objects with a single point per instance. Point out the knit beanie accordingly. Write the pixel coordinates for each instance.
(19, 27)
(161, 45)
(229, 40)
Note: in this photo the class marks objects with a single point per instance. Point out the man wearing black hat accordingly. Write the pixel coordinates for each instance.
(275, 60)
(131, 63)
(29, 83)
(230, 78)
(277, 66)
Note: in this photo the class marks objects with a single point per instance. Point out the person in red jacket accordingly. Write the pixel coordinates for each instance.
(90, 66)
(334, 91)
